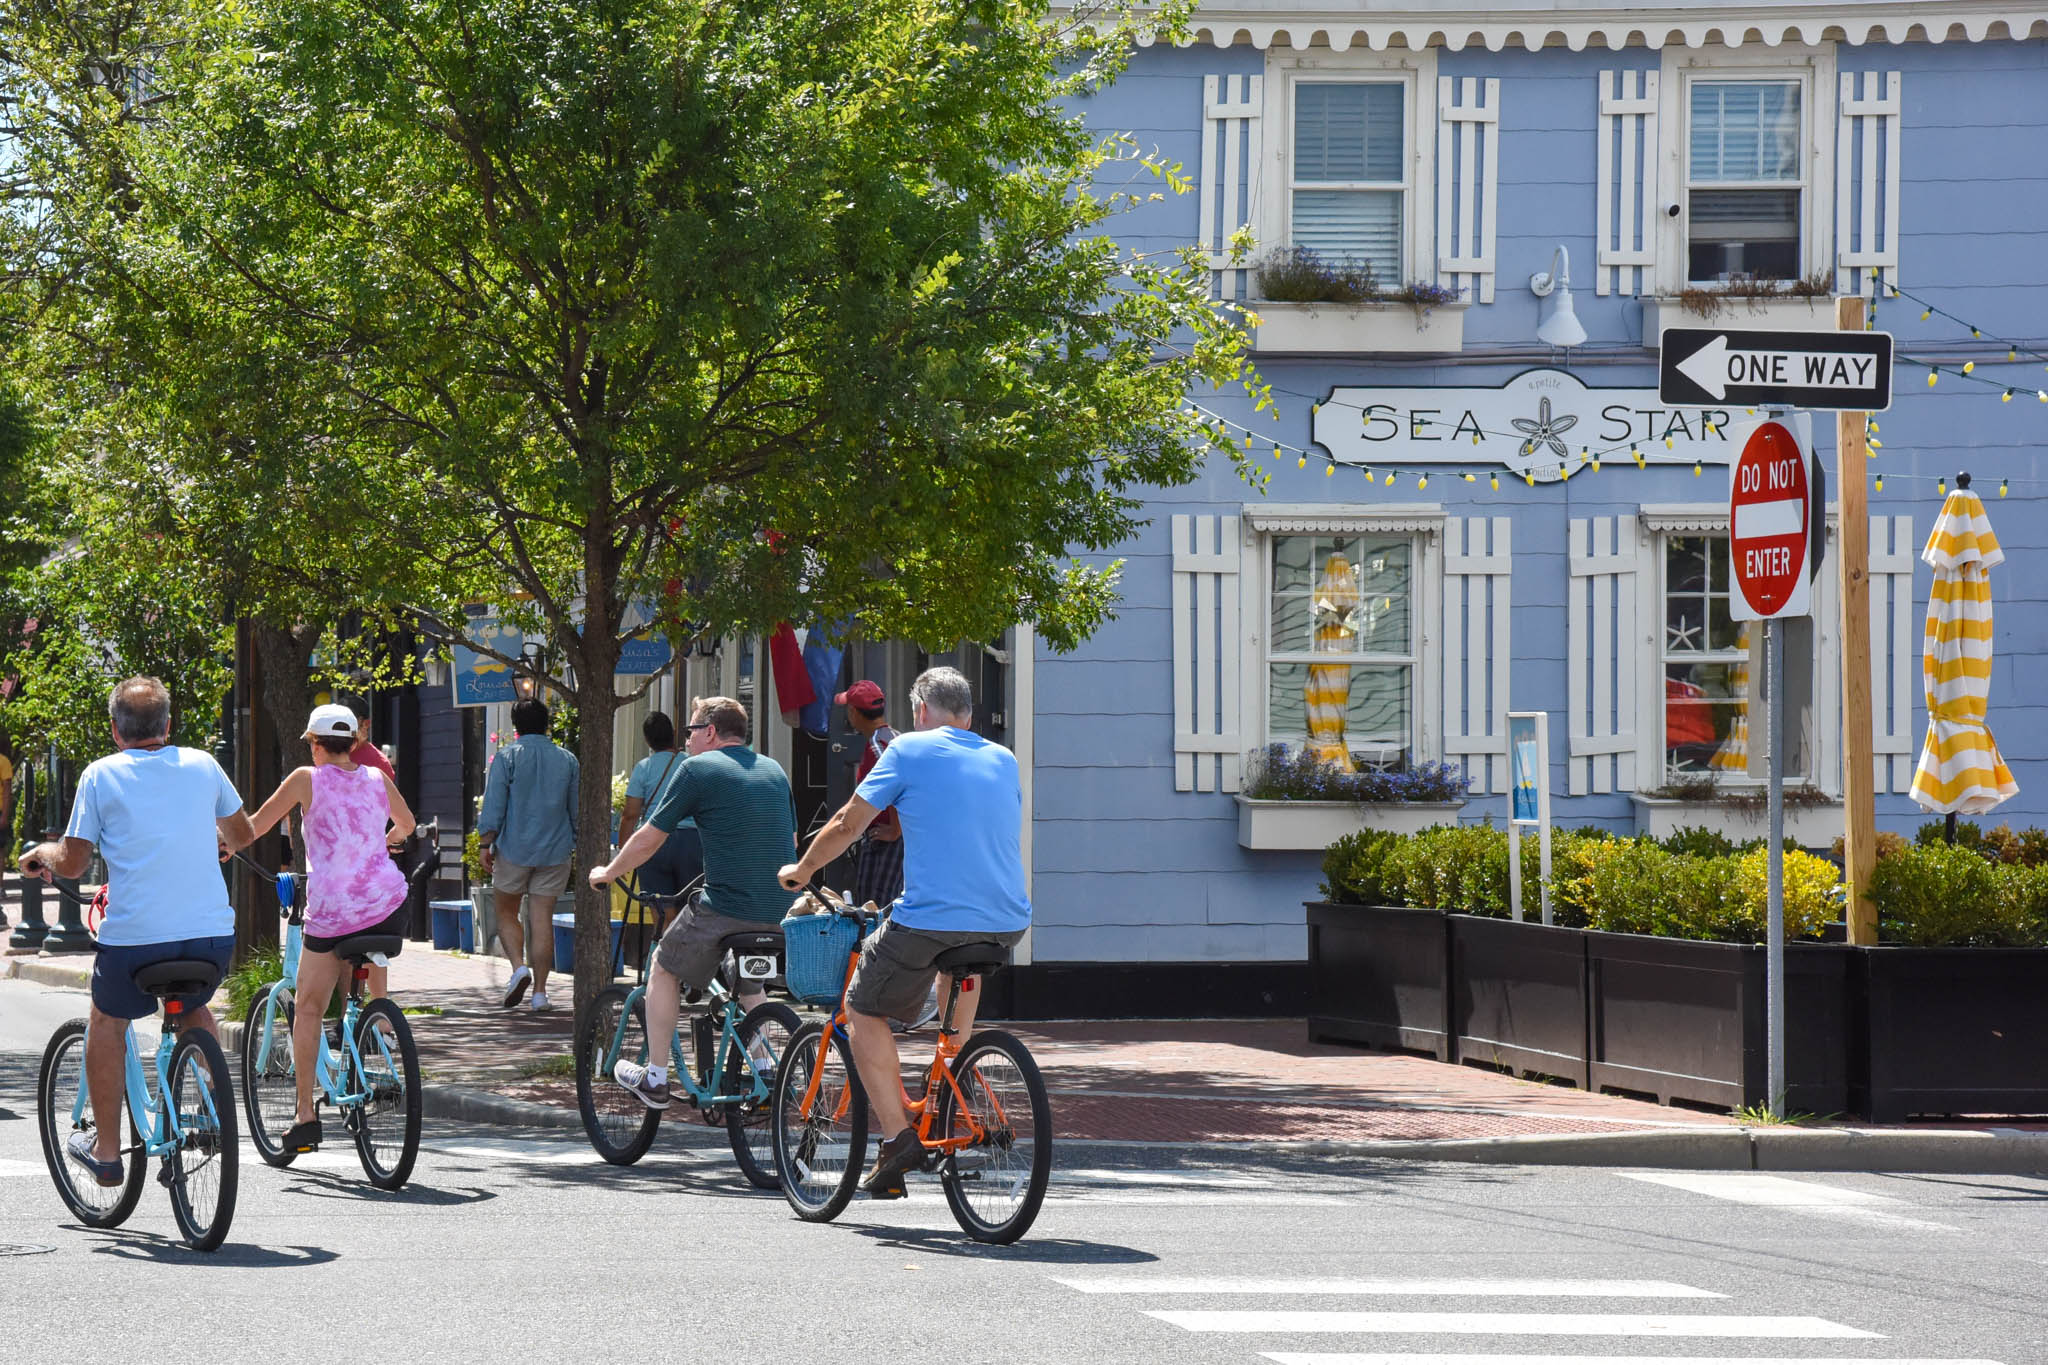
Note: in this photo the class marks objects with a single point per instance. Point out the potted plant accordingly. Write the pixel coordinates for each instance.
(1308, 304)
(1813, 819)
(1295, 799)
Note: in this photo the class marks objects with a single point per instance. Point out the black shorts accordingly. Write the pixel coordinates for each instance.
(392, 924)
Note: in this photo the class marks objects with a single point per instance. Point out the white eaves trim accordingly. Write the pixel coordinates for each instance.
(1533, 24)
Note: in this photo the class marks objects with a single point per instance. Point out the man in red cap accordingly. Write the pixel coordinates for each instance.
(878, 858)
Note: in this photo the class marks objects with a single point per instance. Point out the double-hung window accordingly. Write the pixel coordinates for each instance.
(1348, 175)
(1746, 179)
(1341, 656)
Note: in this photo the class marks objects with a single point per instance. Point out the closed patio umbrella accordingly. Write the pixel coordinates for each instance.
(1329, 685)
(1960, 770)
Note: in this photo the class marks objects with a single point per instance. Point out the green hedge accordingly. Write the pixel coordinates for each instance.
(1693, 885)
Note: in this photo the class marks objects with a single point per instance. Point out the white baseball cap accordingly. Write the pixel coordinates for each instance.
(330, 720)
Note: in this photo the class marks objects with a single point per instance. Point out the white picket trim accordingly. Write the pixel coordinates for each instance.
(1859, 119)
(1896, 639)
(1628, 135)
(1231, 117)
(1208, 749)
(1467, 181)
(1603, 654)
(1475, 653)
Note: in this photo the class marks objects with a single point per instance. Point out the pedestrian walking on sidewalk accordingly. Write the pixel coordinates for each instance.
(353, 812)
(878, 857)
(527, 831)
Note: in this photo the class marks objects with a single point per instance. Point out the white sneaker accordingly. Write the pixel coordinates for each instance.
(515, 989)
(541, 1003)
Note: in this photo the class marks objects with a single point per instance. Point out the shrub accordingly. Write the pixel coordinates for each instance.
(1452, 867)
(1889, 845)
(1810, 904)
(1969, 834)
(1935, 894)
(1574, 854)
(1354, 869)
(1699, 841)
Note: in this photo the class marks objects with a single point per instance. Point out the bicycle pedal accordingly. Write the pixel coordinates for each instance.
(894, 1190)
(166, 1174)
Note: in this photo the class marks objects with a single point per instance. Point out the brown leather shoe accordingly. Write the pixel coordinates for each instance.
(898, 1154)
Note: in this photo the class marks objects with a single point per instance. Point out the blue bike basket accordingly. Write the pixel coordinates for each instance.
(814, 953)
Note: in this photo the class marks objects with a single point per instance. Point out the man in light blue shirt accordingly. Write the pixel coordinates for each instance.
(962, 809)
(159, 815)
(527, 831)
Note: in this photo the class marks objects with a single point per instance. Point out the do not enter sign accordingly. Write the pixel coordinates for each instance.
(1772, 522)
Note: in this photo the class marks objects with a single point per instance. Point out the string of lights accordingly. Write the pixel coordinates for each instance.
(1929, 310)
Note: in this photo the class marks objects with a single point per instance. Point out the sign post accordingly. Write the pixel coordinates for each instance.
(1859, 816)
(1773, 507)
(1528, 735)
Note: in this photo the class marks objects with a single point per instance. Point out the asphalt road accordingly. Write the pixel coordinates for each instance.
(523, 1246)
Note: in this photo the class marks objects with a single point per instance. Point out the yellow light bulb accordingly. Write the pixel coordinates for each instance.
(2013, 354)
(2001, 488)
(2005, 397)
(1422, 482)
(1875, 428)
(1941, 487)
(1969, 367)
(1475, 438)
(1494, 479)
(1390, 479)
(1932, 376)
(1696, 470)
(1596, 466)
(1876, 444)
(1708, 425)
(1670, 444)
(1975, 333)
(1880, 483)
(1640, 463)
(1471, 478)
(1331, 470)
(1301, 463)
(2041, 394)
(1530, 479)
(1926, 314)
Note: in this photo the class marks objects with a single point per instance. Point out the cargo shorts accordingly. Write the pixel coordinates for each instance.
(895, 971)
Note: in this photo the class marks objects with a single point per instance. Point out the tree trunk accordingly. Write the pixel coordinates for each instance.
(284, 654)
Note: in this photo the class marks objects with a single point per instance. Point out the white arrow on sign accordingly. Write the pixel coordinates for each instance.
(1715, 366)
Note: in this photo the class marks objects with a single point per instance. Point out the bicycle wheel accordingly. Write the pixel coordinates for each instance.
(202, 1167)
(819, 1151)
(270, 1095)
(996, 1185)
(763, 1036)
(387, 1124)
(57, 1086)
(620, 1127)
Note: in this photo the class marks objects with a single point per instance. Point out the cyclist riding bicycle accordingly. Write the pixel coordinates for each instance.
(352, 886)
(744, 813)
(962, 810)
(157, 813)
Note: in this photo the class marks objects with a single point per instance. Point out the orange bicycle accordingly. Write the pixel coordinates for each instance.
(983, 1116)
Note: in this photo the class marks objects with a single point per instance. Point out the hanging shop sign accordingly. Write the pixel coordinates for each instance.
(1545, 424)
(483, 679)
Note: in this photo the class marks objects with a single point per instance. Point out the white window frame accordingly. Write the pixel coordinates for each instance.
(1814, 69)
(1272, 207)
(1661, 522)
(1423, 523)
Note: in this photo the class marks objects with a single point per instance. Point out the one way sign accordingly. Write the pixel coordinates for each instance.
(1850, 371)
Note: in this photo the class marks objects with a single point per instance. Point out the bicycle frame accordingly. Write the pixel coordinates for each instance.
(162, 1131)
(703, 1095)
(328, 1066)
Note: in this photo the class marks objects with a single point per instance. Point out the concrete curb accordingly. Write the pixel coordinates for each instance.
(480, 1106)
(61, 974)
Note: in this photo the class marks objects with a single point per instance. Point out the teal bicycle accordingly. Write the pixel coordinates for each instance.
(182, 1111)
(736, 1055)
(369, 1071)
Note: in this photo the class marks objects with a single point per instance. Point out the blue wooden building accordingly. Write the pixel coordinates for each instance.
(1522, 523)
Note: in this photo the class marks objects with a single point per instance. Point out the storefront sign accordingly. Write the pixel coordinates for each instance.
(479, 679)
(1545, 423)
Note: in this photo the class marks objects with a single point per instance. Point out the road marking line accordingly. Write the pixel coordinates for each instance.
(1193, 1198)
(1579, 1289)
(1515, 1324)
(1774, 1191)
(11, 1169)
(1352, 1358)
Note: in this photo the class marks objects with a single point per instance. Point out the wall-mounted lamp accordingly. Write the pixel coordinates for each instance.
(1560, 327)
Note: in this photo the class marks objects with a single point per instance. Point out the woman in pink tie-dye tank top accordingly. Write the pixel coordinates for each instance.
(352, 886)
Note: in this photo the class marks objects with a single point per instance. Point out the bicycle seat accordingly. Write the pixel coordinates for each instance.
(178, 976)
(752, 941)
(972, 957)
(358, 947)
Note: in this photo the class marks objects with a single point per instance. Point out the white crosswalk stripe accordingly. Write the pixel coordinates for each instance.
(1512, 1324)
(1381, 1358)
(1810, 1197)
(1579, 1289)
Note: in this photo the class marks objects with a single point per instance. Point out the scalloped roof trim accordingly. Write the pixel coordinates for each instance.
(1536, 31)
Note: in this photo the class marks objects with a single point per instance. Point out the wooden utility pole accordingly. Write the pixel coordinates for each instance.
(1859, 839)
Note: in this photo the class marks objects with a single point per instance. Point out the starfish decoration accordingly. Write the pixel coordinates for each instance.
(1544, 430)
(1683, 636)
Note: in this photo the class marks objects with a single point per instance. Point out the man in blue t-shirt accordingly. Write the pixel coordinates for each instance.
(962, 809)
(158, 814)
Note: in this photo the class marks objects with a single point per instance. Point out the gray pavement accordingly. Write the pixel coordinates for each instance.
(516, 1245)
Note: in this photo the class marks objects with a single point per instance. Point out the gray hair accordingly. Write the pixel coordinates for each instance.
(944, 690)
(140, 709)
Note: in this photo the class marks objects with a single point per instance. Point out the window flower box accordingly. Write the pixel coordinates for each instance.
(1354, 329)
(1787, 314)
(1809, 824)
(1318, 824)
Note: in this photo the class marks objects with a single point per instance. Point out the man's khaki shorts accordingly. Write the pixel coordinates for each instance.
(541, 883)
(895, 972)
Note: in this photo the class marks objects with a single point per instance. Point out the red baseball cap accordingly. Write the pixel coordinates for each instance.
(863, 694)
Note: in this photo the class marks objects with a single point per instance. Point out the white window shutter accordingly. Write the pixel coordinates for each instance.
(1207, 751)
(1867, 182)
(1475, 649)
(1603, 656)
(1896, 639)
(1626, 228)
(1230, 150)
(1467, 181)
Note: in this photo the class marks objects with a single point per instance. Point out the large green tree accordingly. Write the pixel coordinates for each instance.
(758, 311)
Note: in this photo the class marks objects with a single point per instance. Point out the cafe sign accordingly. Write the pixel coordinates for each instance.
(1542, 423)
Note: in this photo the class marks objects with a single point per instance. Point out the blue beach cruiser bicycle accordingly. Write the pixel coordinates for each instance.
(369, 1071)
(181, 1109)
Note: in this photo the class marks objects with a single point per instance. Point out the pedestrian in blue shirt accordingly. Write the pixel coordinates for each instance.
(527, 831)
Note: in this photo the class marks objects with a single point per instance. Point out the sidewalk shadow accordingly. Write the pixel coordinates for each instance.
(149, 1246)
(1048, 1251)
(321, 1185)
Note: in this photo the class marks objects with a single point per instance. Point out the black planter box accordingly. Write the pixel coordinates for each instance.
(1518, 996)
(1952, 1031)
(1379, 976)
(1685, 1020)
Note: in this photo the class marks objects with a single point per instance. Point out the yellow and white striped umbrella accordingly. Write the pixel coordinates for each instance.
(1733, 755)
(1329, 685)
(1960, 769)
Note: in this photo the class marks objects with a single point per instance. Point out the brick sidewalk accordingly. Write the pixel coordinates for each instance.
(1113, 1080)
